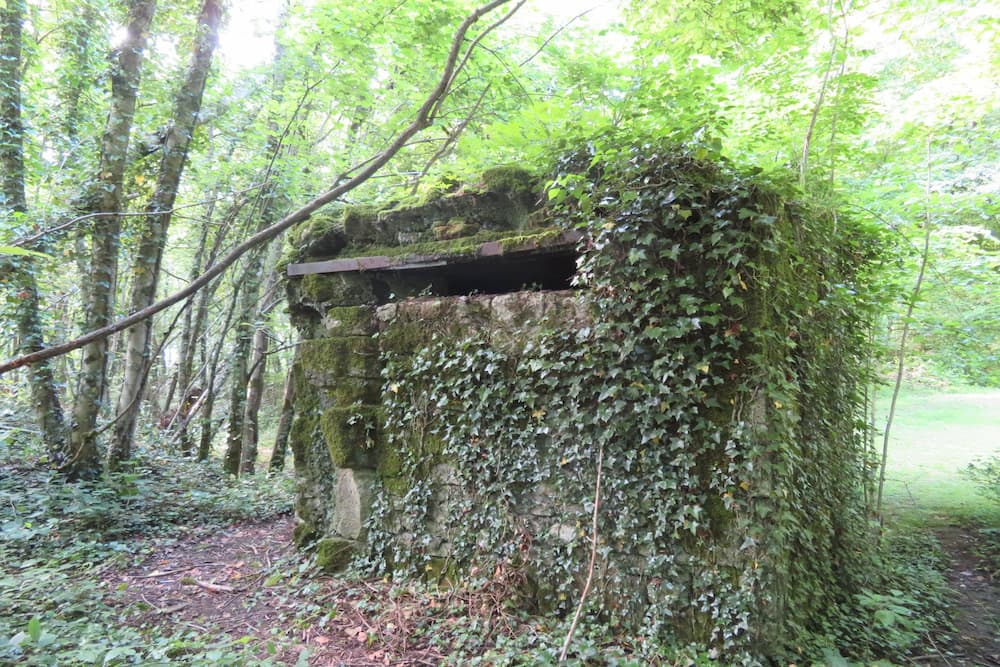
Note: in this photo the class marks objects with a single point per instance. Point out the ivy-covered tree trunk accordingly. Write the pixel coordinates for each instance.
(11, 124)
(105, 196)
(255, 395)
(284, 425)
(44, 395)
(239, 359)
(146, 267)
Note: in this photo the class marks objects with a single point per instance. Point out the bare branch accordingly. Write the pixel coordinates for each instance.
(554, 35)
(450, 140)
(456, 70)
(25, 240)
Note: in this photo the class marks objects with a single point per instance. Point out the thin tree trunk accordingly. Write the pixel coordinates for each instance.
(242, 444)
(912, 303)
(284, 424)
(195, 318)
(193, 322)
(205, 439)
(258, 362)
(255, 395)
(239, 368)
(79, 77)
(207, 431)
(44, 395)
(146, 268)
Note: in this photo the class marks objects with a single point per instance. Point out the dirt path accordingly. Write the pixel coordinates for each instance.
(243, 582)
(976, 640)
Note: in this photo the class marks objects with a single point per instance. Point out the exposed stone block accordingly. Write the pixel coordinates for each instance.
(352, 499)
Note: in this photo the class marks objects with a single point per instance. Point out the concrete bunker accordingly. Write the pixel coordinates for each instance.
(365, 283)
(393, 467)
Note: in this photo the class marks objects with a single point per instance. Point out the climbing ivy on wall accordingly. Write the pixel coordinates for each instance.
(720, 381)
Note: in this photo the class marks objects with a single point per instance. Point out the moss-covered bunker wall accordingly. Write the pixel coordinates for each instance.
(454, 399)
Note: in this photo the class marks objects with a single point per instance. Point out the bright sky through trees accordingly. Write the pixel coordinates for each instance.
(248, 38)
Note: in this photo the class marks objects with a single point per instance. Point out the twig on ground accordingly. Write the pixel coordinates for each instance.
(215, 588)
(158, 573)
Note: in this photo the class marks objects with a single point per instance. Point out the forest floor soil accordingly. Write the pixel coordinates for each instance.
(242, 583)
(975, 640)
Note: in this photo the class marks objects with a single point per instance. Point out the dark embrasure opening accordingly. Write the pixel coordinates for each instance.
(485, 275)
(501, 275)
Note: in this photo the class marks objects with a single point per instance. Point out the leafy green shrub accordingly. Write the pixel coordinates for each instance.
(986, 473)
(905, 597)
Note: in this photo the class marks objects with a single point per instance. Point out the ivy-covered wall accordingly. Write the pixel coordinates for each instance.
(700, 395)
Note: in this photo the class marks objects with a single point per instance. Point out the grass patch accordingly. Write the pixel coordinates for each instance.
(935, 436)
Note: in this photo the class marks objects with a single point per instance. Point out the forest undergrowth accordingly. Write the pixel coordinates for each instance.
(169, 562)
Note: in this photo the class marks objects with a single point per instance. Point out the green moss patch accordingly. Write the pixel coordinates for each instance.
(351, 435)
(336, 289)
(467, 246)
(511, 179)
(303, 534)
(453, 229)
(349, 320)
(359, 223)
(326, 361)
(333, 554)
(321, 235)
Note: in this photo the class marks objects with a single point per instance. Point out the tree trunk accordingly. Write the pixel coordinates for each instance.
(11, 124)
(146, 267)
(244, 410)
(240, 362)
(255, 395)
(258, 360)
(191, 330)
(44, 396)
(284, 424)
(212, 374)
(195, 318)
(105, 231)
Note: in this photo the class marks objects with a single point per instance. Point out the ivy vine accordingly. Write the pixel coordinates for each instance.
(722, 373)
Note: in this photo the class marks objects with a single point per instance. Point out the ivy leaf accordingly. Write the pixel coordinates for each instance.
(34, 629)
